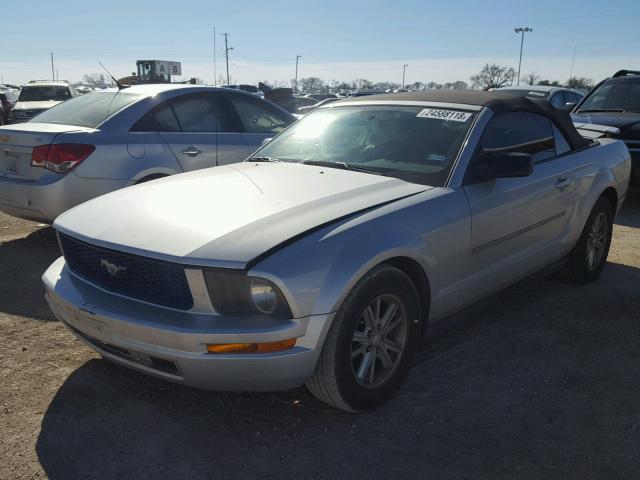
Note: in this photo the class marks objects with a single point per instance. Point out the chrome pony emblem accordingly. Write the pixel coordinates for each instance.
(111, 268)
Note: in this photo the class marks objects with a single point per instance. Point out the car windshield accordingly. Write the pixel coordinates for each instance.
(416, 144)
(614, 94)
(88, 110)
(42, 93)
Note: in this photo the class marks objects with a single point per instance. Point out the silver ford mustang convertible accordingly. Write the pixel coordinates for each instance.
(324, 257)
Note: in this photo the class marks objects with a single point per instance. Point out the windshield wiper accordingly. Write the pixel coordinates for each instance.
(616, 110)
(263, 159)
(341, 166)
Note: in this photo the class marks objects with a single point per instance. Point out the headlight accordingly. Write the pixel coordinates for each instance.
(235, 293)
(264, 296)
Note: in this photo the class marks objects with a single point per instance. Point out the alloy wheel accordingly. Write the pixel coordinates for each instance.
(378, 340)
(596, 241)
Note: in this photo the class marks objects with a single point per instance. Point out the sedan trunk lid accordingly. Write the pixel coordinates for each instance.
(17, 143)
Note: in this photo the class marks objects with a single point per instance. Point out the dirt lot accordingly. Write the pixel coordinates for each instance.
(540, 383)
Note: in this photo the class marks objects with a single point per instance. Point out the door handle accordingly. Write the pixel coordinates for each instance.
(191, 151)
(563, 183)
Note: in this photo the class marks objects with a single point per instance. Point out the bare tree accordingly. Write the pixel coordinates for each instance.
(549, 83)
(492, 76)
(580, 82)
(531, 78)
(95, 78)
(361, 83)
(311, 84)
(457, 85)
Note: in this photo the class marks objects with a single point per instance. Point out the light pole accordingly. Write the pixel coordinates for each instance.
(215, 73)
(295, 82)
(521, 30)
(226, 54)
(404, 70)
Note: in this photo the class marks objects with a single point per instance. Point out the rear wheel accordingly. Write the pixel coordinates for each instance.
(370, 346)
(589, 256)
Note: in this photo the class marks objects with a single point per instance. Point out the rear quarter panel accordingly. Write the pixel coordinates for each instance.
(606, 164)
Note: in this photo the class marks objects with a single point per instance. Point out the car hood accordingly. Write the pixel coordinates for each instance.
(227, 216)
(42, 105)
(618, 120)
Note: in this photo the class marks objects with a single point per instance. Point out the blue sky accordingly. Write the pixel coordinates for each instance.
(440, 40)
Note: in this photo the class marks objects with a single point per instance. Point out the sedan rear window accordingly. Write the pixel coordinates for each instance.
(44, 93)
(89, 110)
(415, 144)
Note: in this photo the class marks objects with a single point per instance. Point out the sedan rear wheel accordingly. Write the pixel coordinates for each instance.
(371, 344)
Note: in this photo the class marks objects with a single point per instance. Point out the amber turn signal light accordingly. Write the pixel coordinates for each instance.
(267, 347)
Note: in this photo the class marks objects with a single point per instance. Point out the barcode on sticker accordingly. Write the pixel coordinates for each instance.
(455, 115)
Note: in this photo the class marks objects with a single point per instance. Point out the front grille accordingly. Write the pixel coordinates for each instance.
(149, 280)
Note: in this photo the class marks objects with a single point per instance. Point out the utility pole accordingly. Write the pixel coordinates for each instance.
(521, 30)
(53, 73)
(215, 73)
(295, 82)
(404, 70)
(226, 54)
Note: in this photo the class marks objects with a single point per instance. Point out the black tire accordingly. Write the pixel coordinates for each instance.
(335, 380)
(579, 268)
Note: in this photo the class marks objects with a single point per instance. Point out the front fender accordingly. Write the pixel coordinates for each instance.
(319, 270)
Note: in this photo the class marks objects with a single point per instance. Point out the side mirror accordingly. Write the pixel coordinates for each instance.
(265, 141)
(569, 106)
(503, 165)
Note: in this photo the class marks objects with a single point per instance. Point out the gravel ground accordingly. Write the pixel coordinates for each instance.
(541, 382)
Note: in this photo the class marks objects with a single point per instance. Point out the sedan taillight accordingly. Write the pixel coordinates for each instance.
(60, 157)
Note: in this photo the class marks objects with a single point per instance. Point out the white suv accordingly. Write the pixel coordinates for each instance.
(38, 96)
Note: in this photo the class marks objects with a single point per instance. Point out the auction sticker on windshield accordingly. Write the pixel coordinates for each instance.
(441, 114)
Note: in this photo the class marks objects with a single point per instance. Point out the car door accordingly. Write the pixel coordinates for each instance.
(190, 124)
(257, 119)
(518, 224)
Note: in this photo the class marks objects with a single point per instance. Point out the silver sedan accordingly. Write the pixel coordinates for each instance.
(324, 257)
(111, 139)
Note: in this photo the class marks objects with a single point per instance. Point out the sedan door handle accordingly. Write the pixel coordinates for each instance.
(191, 151)
(563, 183)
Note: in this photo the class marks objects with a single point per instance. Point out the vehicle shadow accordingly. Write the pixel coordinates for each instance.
(22, 263)
(542, 383)
(629, 215)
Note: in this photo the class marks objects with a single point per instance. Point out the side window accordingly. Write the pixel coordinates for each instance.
(258, 116)
(562, 146)
(557, 100)
(188, 113)
(165, 120)
(520, 132)
(197, 114)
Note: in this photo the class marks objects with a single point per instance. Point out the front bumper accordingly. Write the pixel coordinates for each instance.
(171, 344)
(42, 200)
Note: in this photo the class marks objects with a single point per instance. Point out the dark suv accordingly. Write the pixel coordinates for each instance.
(615, 102)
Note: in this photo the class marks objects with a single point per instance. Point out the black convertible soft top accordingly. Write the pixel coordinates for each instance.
(500, 101)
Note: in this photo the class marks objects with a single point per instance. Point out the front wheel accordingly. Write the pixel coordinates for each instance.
(371, 344)
(589, 256)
